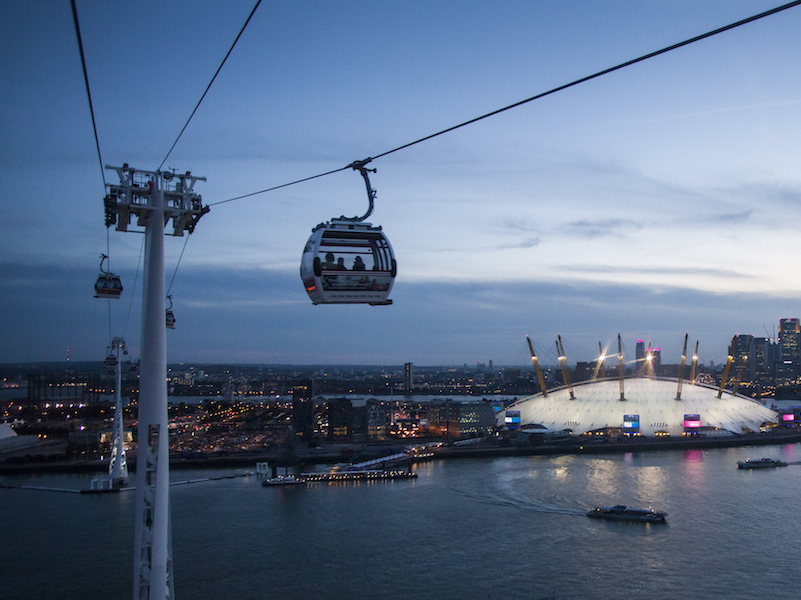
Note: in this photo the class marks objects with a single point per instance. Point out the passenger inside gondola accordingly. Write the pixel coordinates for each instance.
(329, 262)
(358, 264)
(341, 264)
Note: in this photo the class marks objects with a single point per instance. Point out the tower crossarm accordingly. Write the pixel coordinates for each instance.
(131, 197)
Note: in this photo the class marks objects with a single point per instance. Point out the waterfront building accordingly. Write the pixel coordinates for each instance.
(377, 419)
(460, 420)
(65, 388)
(596, 409)
(408, 369)
(341, 420)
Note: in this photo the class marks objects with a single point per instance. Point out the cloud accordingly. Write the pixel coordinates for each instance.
(519, 224)
(524, 244)
(602, 228)
(653, 271)
(261, 316)
(725, 218)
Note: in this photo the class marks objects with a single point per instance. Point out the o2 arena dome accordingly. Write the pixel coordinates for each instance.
(649, 408)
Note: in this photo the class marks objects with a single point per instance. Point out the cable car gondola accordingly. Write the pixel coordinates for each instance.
(110, 363)
(108, 284)
(170, 316)
(347, 261)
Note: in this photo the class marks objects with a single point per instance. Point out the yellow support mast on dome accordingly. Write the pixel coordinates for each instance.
(560, 350)
(694, 363)
(540, 378)
(681, 367)
(725, 377)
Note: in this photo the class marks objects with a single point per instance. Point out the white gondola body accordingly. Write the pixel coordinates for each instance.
(108, 285)
(361, 271)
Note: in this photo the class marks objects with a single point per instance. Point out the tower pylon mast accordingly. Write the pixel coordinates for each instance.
(153, 197)
(118, 465)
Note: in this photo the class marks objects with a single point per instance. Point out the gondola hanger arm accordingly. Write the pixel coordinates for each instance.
(361, 166)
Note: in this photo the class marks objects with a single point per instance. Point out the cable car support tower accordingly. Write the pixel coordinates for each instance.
(118, 465)
(153, 198)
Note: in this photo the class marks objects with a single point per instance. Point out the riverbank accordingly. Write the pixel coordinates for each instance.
(572, 446)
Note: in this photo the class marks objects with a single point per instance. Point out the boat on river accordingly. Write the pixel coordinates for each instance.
(760, 463)
(284, 480)
(625, 513)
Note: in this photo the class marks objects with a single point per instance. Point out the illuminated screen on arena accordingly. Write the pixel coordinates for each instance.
(788, 418)
(631, 423)
(512, 419)
(692, 422)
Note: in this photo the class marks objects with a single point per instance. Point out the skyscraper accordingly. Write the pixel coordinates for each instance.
(744, 355)
(764, 362)
(409, 372)
(303, 410)
(787, 369)
(640, 357)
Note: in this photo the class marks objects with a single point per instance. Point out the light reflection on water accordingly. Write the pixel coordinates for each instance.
(504, 528)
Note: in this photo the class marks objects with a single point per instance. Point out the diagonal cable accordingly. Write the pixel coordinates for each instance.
(543, 94)
(241, 31)
(88, 92)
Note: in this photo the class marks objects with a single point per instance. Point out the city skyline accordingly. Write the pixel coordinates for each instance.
(656, 200)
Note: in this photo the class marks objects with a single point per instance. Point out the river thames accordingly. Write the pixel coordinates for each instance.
(493, 528)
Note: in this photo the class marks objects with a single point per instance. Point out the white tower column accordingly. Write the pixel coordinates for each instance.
(153, 198)
(118, 466)
(152, 552)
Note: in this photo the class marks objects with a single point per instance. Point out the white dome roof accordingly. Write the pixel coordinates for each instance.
(597, 405)
(6, 431)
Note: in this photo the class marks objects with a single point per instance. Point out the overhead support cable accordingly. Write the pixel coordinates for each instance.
(178, 264)
(88, 91)
(283, 185)
(541, 95)
(241, 31)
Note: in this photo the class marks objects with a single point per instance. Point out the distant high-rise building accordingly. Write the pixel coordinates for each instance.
(409, 373)
(640, 357)
(303, 409)
(656, 356)
(743, 355)
(763, 361)
(787, 369)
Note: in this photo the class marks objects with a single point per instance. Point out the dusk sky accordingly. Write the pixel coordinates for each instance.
(660, 199)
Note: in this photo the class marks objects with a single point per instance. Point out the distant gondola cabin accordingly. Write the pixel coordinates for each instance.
(108, 285)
